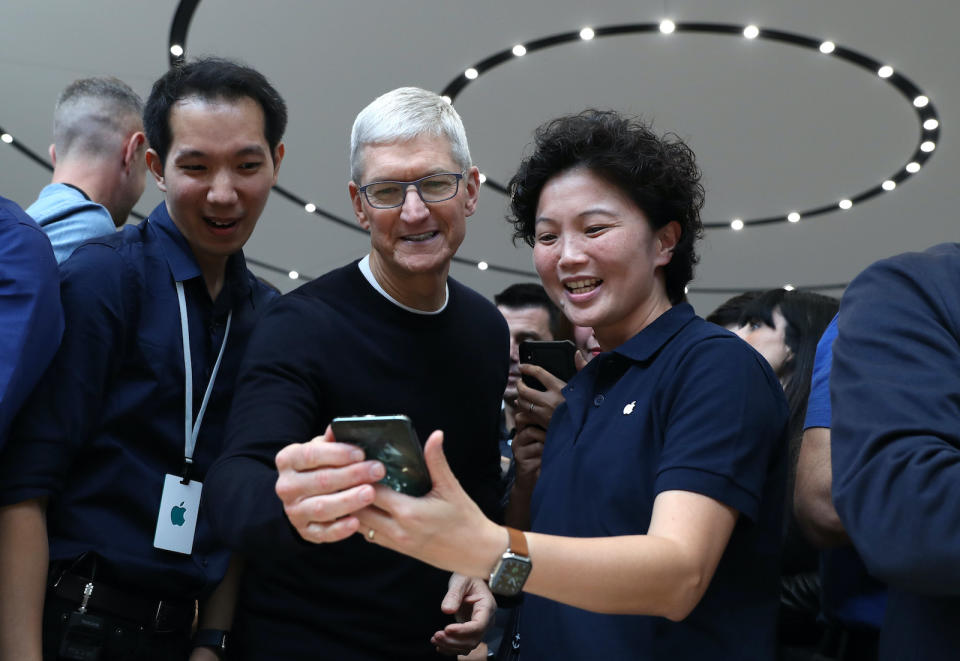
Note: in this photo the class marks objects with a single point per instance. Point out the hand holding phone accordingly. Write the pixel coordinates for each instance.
(391, 440)
(554, 356)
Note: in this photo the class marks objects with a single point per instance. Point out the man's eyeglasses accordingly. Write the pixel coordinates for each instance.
(432, 188)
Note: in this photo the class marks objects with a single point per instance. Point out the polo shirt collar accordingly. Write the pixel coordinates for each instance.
(642, 346)
(179, 255)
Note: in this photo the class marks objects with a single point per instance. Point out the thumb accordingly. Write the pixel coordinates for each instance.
(454, 597)
(440, 473)
(579, 361)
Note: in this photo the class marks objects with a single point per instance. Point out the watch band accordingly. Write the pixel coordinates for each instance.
(518, 542)
(215, 638)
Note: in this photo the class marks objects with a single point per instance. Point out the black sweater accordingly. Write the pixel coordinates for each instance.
(337, 347)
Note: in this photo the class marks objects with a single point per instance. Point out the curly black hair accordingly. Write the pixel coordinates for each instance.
(658, 173)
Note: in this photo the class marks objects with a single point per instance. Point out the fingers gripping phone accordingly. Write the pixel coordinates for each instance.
(554, 356)
(391, 440)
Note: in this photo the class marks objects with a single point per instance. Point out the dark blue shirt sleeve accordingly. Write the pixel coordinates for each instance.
(726, 416)
(895, 391)
(818, 405)
(67, 402)
(31, 321)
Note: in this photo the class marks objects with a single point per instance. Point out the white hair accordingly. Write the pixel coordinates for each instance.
(404, 114)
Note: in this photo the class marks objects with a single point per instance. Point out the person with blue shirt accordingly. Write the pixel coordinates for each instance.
(852, 601)
(31, 321)
(99, 170)
(102, 551)
(895, 443)
(657, 516)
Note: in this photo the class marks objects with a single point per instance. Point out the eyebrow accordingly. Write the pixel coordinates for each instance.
(586, 212)
(251, 150)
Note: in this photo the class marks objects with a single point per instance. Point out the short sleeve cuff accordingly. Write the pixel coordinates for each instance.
(719, 487)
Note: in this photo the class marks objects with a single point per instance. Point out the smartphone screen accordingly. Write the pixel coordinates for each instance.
(391, 440)
(554, 356)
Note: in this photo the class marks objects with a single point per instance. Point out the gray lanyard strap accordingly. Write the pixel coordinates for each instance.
(192, 429)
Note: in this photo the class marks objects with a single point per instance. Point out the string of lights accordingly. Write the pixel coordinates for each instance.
(929, 122)
(924, 109)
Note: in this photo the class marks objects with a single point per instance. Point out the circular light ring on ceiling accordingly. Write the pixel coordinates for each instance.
(920, 102)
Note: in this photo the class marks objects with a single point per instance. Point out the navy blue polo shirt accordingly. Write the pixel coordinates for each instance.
(683, 405)
(31, 320)
(106, 422)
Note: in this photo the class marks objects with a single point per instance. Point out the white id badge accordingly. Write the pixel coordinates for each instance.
(177, 519)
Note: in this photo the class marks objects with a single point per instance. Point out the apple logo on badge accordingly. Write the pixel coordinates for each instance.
(176, 514)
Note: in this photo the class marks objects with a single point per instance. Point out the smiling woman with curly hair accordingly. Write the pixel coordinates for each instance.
(656, 519)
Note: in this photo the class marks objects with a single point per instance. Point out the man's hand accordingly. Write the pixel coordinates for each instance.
(471, 601)
(322, 483)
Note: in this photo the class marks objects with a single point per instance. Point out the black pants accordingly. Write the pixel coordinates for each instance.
(123, 639)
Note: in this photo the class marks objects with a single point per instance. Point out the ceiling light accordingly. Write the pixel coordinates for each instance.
(751, 31)
(827, 47)
(176, 50)
(667, 26)
(913, 167)
(6, 137)
(483, 178)
(921, 101)
(928, 146)
(737, 224)
(587, 34)
(885, 71)
(519, 50)
(788, 287)
(293, 275)
(471, 73)
(309, 207)
(931, 124)
(793, 217)
(483, 266)
(845, 204)
(889, 184)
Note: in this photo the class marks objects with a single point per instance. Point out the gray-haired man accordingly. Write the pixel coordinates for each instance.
(99, 170)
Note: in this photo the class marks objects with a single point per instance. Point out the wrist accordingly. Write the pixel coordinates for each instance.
(213, 639)
(491, 547)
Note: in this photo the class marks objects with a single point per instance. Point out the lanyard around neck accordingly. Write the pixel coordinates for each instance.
(192, 429)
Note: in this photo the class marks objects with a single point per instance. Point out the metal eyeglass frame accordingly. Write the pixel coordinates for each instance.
(416, 184)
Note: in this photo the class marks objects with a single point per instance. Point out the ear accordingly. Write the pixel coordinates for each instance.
(52, 150)
(156, 169)
(131, 149)
(357, 199)
(277, 157)
(667, 238)
(472, 181)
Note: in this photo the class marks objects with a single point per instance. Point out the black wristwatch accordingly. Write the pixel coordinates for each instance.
(511, 571)
(216, 639)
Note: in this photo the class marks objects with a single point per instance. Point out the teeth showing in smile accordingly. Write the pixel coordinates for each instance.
(420, 237)
(221, 224)
(582, 286)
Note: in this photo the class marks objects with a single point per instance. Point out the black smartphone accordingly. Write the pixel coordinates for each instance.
(391, 440)
(555, 356)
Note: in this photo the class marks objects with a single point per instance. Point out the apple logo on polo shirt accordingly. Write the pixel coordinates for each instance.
(177, 514)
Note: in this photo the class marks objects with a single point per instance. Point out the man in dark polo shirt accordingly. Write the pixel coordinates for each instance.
(100, 545)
